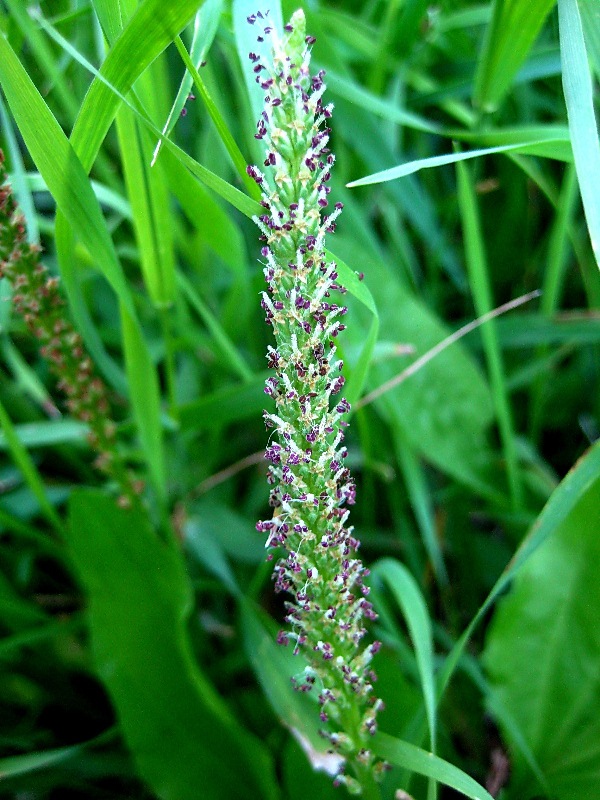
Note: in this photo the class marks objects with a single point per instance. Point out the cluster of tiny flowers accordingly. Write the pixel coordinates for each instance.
(36, 297)
(311, 486)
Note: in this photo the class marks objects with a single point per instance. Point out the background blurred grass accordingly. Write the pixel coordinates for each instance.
(454, 465)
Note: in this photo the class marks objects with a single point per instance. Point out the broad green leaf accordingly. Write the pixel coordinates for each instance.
(180, 732)
(542, 655)
(510, 35)
(579, 96)
(404, 754)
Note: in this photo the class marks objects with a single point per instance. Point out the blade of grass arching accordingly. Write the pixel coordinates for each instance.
(482, 299)
(205, 29)
(153, 26)
(579, 97)
(529, 148)
(144, 393)
(420, 501)
(406, 755)
(32, 477)
(509, 37)
(238, 160)
(223, 342)
(410, 601)
(224, 189)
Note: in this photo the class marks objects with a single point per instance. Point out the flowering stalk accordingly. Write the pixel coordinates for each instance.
(310, 484)
(38, 300)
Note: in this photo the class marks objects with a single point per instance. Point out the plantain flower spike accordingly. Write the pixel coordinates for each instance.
(310, 485)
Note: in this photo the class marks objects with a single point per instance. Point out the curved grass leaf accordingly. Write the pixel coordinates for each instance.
(408, 756)
(409, 599)
(183, 737)
(401, 170)
(206, 23)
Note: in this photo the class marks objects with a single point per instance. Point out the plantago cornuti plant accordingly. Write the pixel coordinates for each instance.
(311, 486)
(37, 298)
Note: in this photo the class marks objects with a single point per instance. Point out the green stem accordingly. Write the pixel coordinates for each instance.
(169, 362)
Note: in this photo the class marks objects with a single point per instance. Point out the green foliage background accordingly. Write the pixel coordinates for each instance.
(137, 657)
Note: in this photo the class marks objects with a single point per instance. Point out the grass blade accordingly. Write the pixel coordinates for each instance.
(480, 287)
(407, 755)
(511, 33)
(24, 462)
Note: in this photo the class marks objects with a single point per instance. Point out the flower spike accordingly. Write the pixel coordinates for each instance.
(311, 486)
